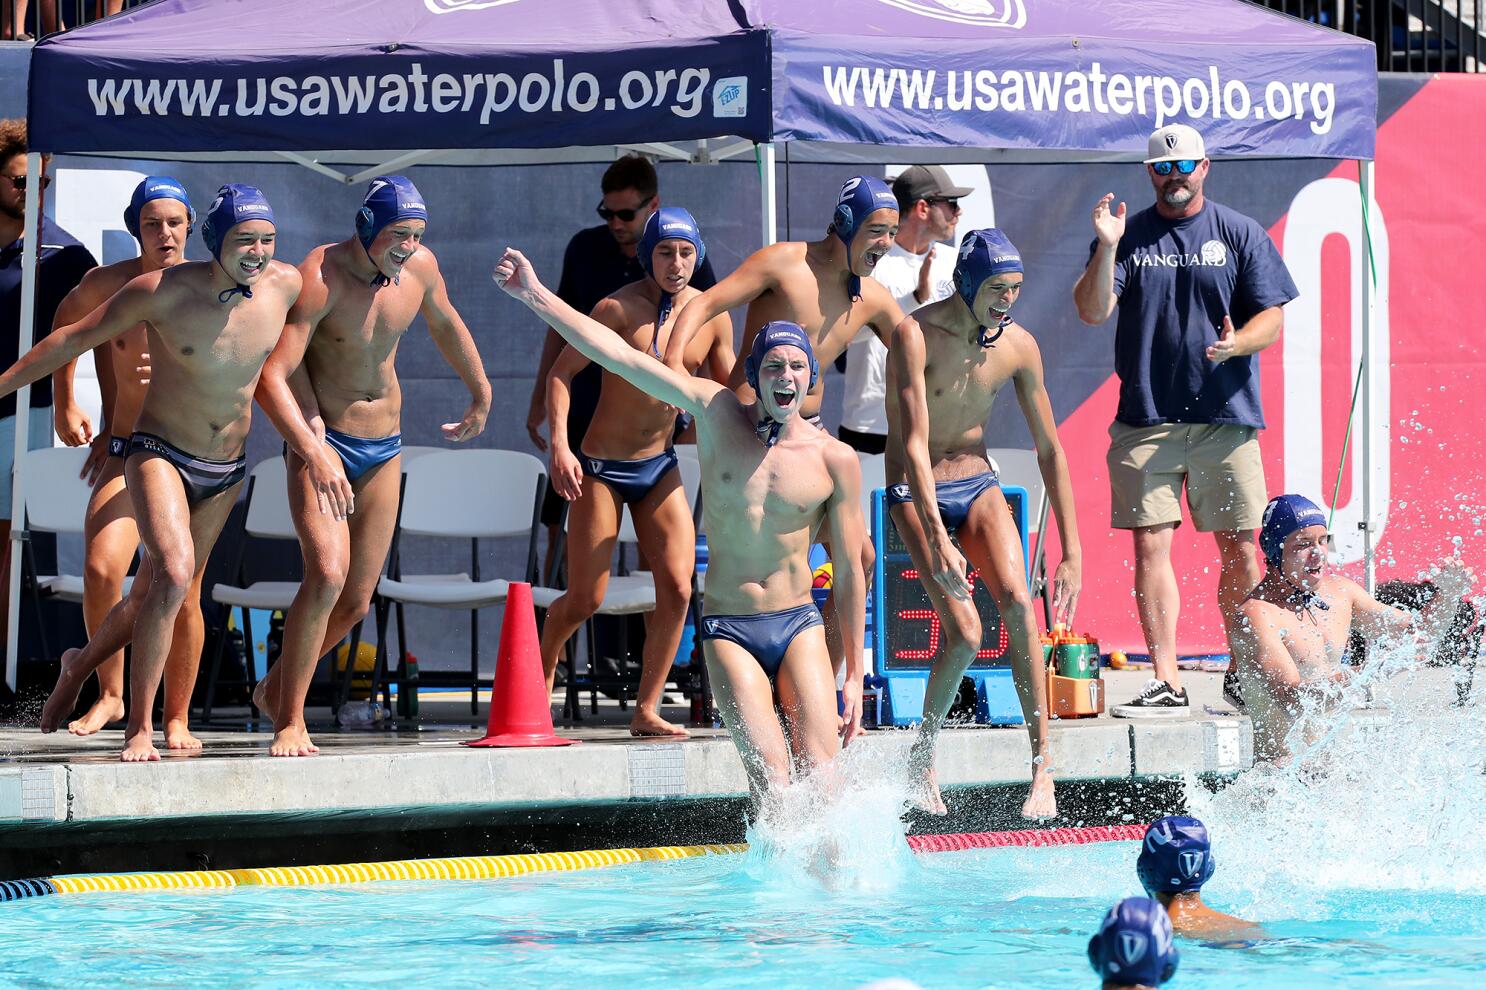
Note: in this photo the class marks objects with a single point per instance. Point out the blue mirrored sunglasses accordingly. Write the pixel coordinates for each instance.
(1186, 166)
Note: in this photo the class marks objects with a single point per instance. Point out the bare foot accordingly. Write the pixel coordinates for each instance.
(263, 700)
(292, 740)
(106, 709)
(651, 724)
(63, 699)
(177, 736)
(928, 797)
(138, 748)
(1042, 803)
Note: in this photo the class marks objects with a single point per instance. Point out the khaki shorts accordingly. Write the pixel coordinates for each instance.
(1219, 464)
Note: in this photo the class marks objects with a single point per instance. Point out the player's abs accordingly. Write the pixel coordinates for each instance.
(370, 407)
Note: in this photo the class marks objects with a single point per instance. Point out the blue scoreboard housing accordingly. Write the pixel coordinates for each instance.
(906, 637)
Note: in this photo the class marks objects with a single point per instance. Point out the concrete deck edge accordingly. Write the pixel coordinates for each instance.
(450, 776)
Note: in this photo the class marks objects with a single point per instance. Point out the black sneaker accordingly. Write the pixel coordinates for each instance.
(1158, 700)
(1233, 691)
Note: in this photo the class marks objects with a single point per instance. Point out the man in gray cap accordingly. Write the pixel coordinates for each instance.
(918, 269)
(1199, 288)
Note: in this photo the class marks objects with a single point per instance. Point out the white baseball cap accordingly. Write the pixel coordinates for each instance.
(1174, 143)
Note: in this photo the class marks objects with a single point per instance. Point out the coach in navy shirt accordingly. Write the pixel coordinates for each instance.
(1199, 289)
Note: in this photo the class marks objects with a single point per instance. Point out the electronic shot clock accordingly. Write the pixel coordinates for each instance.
(906, 637)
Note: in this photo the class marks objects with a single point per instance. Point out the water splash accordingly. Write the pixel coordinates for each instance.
(839, 828)
(1385, 795)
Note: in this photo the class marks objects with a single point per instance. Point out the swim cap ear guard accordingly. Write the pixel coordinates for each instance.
(235, 204)
(984, 253)
(861, 196)
(1176, 856)
(668, 223)
(1134, 944)
(389, 198)
(152, 188)
(1284, 515)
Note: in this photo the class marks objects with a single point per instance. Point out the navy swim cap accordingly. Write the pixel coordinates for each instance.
(770, 336)
(664, 224)
(1284, 515)
(1134, 944)
(1176, 856)
(667, 223)
(156, 187)
(984, 253)
(234, 204)
(390, 198)
(861, 196)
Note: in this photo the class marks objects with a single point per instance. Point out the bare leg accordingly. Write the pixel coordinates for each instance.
(178, 540)
(1238, 575)
(1158, 598)
(960, 625)
(109, 540)
(991, 542)
(746, 700)
(112, 635)
(593, 527)
(807, 695)
(325, 545)
(664, 527)
(181, 665)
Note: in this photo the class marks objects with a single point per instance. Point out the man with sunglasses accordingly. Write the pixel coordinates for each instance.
(1199, 288)
(918, 269)
(61, 263)
(598, 262)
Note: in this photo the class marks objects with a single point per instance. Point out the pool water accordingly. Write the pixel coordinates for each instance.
(994, 918)
(1365, 861)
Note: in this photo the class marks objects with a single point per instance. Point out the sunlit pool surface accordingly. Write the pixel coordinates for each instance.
(996, 918)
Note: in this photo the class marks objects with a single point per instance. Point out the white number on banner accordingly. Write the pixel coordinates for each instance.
(1322, 209)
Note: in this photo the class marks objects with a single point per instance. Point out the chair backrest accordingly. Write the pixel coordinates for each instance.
(1019, 467)
(413, 451)
(472, 493)
(269, 516)
(56, 498)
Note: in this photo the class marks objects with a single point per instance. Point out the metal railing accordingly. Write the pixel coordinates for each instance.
(23, 20)
(1410, 35)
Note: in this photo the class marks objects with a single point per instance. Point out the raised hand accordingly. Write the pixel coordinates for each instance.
(514, 274)
(1109, 225)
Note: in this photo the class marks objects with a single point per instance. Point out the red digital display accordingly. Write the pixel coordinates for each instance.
(912, 637)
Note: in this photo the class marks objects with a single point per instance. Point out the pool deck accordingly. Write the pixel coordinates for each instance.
(47, 781)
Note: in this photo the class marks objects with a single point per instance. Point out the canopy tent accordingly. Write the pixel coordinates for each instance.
(352, 88)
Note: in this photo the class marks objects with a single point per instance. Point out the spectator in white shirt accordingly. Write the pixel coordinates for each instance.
(917, 270)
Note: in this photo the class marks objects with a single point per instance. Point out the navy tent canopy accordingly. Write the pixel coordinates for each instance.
(532, 80)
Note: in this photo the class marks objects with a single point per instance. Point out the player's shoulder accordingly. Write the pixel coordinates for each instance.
(105, 280)
(840, 458)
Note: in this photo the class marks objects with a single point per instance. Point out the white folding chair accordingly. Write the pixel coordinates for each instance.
(56, 502)
(874, 476)
(470, 494)
(1019, 467)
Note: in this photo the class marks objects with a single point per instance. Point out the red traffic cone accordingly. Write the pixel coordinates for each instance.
(520, 708)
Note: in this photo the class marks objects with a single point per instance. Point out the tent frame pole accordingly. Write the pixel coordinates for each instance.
(1366, 180)
(766, 180)
(26, 335)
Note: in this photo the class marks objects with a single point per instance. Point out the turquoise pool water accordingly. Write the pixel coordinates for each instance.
(997, 918)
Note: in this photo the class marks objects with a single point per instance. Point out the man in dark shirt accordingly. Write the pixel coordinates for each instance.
(1199, 288)
(598, 261)
(61, 263)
